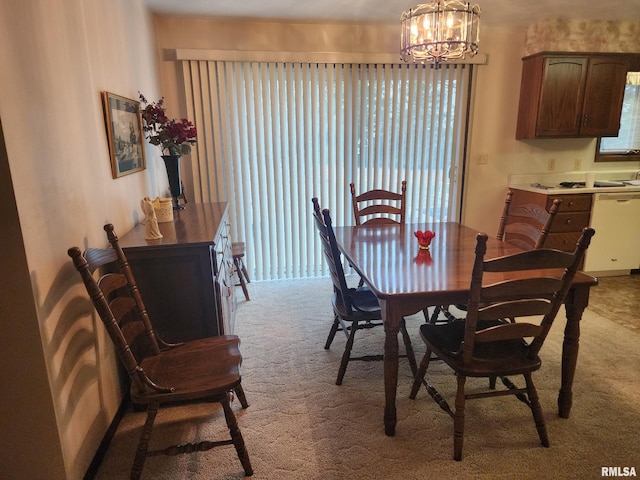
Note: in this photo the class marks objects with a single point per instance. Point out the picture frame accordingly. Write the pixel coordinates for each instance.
(124, 134)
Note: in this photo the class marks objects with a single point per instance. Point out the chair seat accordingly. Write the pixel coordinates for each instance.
(504, 358)
(196, 369)
(238, 249)
(364, 305)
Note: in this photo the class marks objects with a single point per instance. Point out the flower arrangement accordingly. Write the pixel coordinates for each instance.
(172, 136)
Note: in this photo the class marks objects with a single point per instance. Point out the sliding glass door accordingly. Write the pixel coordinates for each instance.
(272, 135)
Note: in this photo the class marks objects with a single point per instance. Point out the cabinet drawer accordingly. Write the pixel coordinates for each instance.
(570, 222)
(222, 247)
(562, 241)
(572, 203)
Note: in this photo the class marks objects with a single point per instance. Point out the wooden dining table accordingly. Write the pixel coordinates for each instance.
(406, 280)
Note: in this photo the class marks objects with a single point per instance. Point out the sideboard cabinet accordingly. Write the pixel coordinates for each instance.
(571, 95)
(185, 277)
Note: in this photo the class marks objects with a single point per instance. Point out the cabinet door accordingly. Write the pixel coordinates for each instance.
(603, 96)
(571, 95)
(561, 97)
(177, 285)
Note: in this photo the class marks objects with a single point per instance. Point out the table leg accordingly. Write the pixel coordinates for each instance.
(575, 303)
(391, 328)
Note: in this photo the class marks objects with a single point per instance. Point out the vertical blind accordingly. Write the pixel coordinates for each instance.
(272, 135)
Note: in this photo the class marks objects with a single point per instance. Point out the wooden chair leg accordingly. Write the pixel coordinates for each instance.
(458, 420)
(409, 348)
(536, 409)
(419, 376)
(332, 333)
(243, 269)
(236, 436)
(241, 272)
(241, 396)
(143, 443)
(347, 353)
(433, 318)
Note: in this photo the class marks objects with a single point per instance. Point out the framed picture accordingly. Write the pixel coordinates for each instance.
(124, 133)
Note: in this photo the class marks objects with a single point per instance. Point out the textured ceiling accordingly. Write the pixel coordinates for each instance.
(494, 12)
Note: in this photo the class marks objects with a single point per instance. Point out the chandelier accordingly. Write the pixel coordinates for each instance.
(440, 31)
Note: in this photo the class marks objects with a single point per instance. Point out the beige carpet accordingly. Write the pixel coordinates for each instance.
(300, 425)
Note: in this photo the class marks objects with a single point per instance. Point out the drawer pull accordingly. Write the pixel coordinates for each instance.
(571, 204)
(568, 221)
(614, 259)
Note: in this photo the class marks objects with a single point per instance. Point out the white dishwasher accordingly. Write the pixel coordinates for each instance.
(616, 220)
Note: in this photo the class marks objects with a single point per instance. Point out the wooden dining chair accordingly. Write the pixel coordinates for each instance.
(238, 250)
(377, 207)
(526, 226)
(161, 374)
(484, 345)
(353, 308)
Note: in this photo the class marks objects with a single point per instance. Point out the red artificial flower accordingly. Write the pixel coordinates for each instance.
(171, 135)
(424, 237)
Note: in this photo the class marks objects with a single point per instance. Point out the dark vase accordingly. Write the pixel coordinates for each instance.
(172, 164)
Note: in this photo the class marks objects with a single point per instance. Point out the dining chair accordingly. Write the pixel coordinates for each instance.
(238, 250)
(378, 207)
(526, 226)
(353, 308)
(161, 374)
(484, 345)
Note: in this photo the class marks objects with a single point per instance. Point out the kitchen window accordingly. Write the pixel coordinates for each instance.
(626, 146)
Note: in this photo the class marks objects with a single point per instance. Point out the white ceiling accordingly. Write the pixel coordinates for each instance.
(494, 12)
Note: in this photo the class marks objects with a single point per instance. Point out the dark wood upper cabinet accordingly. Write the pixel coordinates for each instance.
(571, 95)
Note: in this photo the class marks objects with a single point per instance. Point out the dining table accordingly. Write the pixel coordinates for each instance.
(407, 279)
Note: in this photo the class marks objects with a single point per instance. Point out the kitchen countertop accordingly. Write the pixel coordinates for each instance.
(557, 190)
(536, 182)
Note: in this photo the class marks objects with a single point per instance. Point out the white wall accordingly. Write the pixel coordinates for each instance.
(57, 56)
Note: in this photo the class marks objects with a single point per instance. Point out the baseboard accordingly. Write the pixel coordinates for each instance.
(106, 440)
(609, 273)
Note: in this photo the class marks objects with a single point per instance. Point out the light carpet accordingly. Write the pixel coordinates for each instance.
(300, 425)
